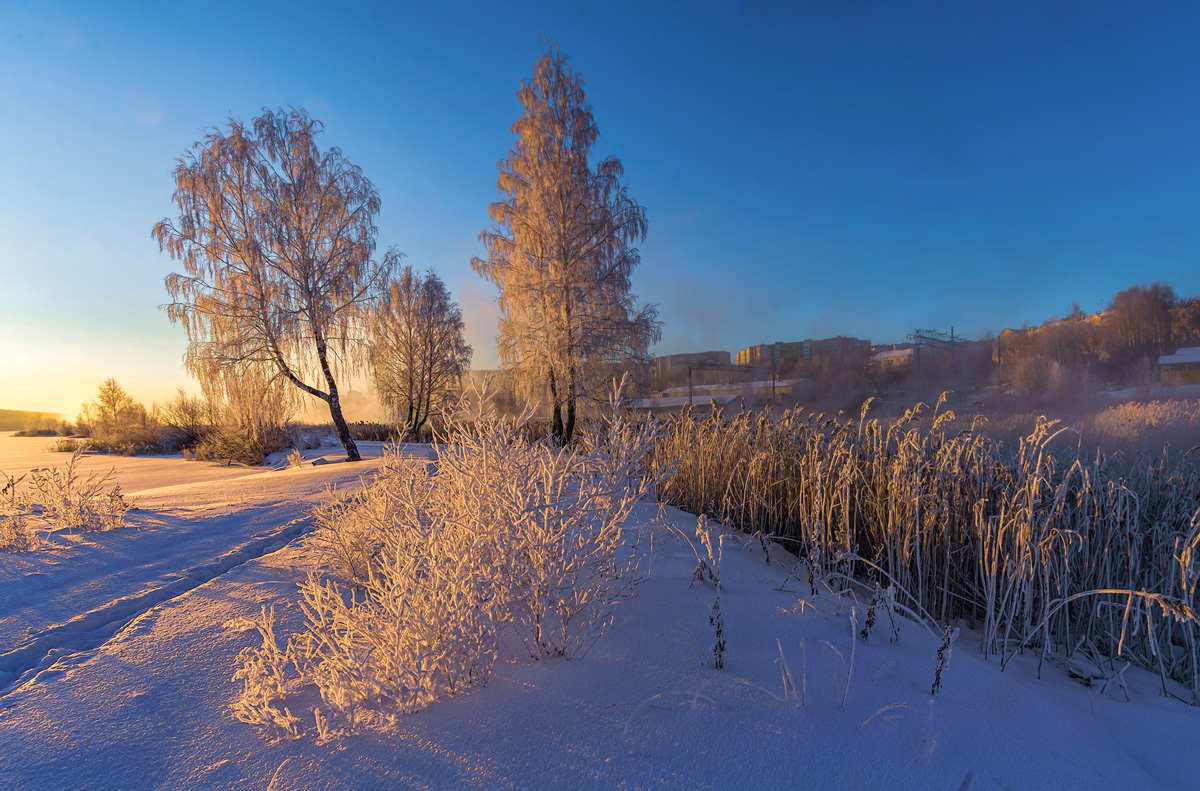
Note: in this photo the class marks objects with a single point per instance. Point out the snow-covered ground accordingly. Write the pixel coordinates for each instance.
(190, 522)
(141, 699)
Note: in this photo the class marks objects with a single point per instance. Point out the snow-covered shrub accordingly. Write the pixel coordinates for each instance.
(568, 519)
(263, 680)
(65, 445)
(62, 495)
(246, 445)
(426, 566)
(16, 535)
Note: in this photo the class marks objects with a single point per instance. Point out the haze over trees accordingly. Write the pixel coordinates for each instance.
(1119, 346)
(418, 351)
(115, 421)
(560, 251)
(276, 238)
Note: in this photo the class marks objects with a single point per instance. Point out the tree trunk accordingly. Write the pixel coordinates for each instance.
(569, 427)
(569, 398)
(335, 406)
(556, 421)
(411, 425)
(556, 426)
(339, 423)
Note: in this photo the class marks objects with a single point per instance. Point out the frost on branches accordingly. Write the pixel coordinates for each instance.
(561, 252)
(430, 567)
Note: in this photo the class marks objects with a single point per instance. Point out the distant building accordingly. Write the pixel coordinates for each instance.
(669, 363)
(702, 395)
(893, 359)
(1180, 368)
(763, 355)
(1002, 344)
(836, 352)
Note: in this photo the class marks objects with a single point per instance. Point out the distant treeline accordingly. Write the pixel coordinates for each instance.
(17, 420)
(1119, 346)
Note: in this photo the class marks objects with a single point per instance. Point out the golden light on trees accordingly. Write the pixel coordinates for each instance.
(276, 238)
(561, 252)
(418, 352)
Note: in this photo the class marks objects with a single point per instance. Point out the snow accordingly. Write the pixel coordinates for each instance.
(210, 519)
(671, 402)
(143, 701)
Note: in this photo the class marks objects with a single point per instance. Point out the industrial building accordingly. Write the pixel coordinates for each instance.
(670, 363)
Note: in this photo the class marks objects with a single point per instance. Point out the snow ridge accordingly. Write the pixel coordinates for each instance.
(25, 663)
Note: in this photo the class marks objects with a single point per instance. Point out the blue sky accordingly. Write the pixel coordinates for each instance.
(809, 169)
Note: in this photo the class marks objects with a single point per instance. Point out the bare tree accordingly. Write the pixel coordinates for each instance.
(560, 251)
(276, 238)
(418, 350)
(1141, 316)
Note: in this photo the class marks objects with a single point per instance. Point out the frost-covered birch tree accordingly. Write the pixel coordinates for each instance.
(276, 238)
(561, 252)
(418, 349)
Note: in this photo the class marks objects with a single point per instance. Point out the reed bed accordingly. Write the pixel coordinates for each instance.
(1091, 559)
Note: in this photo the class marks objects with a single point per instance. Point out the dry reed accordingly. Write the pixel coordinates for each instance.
(1039, 548)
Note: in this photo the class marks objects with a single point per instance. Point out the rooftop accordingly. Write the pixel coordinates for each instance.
(1187, 354)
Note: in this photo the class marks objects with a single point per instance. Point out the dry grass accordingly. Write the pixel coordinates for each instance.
(1042, 550)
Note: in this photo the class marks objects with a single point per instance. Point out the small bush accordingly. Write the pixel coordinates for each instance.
(131, 440)
(498, 532)
(229, 447)
(263, 676)
(63, 496)
(65, 445)
(250, 445)
(372, 432)
(45, 427)
(188, 419)
(36, 432)
(16, 535)
(60, 496)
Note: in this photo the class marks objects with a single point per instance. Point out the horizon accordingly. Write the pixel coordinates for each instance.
(859, 170)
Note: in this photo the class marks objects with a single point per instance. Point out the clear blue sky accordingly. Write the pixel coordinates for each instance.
(809, 169)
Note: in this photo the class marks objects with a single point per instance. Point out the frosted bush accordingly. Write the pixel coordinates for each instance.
(426, 567)
(62, 496)
(16, 535)
(74, 502)
(262, 674)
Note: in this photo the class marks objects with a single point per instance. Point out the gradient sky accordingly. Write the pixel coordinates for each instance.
(809, 169)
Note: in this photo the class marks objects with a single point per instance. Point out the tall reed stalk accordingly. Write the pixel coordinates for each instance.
(1041, 548)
